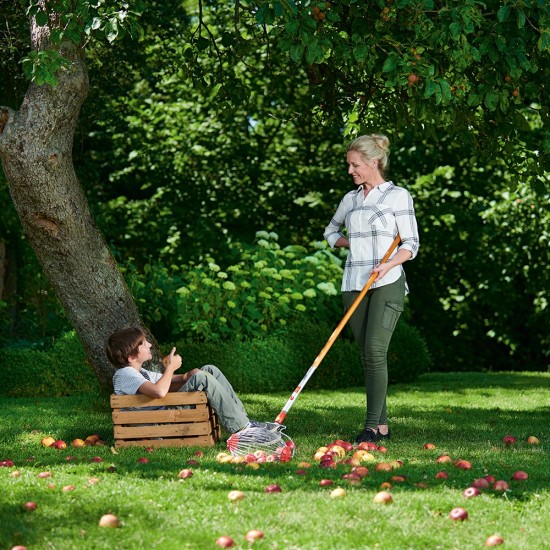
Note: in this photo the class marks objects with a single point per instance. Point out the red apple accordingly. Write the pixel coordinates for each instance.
(361, 471)
(273, 488)
(225, 542)
(7, 463)
(59, 444)
(471, 492)
(442, 475)
(68, 488)
(18, 547)
(458, 514)
(382, 449)
(346, 445)
(192, 462)
(301, 472)
(185, 473)
(143, 460)
(520, 476)
(490, 478)
(30, 506)
(109, 520)
(532, 440)
(199, 454)
(463, 465)
(398, 479)
(43, 475)
(429, 446)
(383, 467)
(96, 459)
(494, 540)
(501, 485)
(253, 535)
(68, 458)
(383, 497)
(509, 440)
(443, 458)
(325, 482)
(352, 478)
(480, 483)
(78, 443)
(327, 463)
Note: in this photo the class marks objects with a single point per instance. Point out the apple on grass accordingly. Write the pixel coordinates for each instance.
(143, 460)
(509, 440)
(273, 488)
(442, 475)
(480, 483)
(429, 446)
(471, 492)
(458, 514)
(463, 465)
(338, 493)
(78, 442)
(43, 475)
(225, 541)
(326, 482)
(109, 520)
(520, 475)
(501, 485)
(253, 535)
(59, 444)
(532, 440)
(185, 473)
(30, 506)
(47, 441)
(494, 540)
(383, 497)
(235, 496)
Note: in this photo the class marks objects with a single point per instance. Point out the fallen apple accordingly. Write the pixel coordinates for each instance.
(338, 493)
(225, 542)
(480, 483)
(494, 540)
(253, 535)
(458, 514)
(361, 471)
(7, 463)
(532, 440)
(509, 440)
(471, 492)
(429, 446)
(143, 460)
(235, 496)
(501, 485)
(96, 459)
(15, 473)
(109, 520)
(383, 467)
(47, 441)
(490, 478)
(43, 475)
(78, 443)
(463, 465)
(386, 485)
(192, 462)
(383, 497)
(443, 458)
(92, 439)
(199, 454)
(59, 444)
(68, 488)
(382, 449)
(185, 473)
(30, 506)
(273, 488)
(442, 475)
(18, 547)
(520, 475)
(326, 482)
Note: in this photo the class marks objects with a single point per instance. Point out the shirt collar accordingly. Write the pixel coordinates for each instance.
(381, 188)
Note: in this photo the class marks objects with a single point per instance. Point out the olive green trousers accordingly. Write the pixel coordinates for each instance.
(372, 324)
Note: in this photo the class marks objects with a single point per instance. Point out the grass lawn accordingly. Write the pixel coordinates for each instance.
(465, 415)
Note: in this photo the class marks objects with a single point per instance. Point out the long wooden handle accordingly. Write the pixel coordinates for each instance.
(281, 416)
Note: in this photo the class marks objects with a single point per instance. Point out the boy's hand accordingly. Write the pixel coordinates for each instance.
(172, 360)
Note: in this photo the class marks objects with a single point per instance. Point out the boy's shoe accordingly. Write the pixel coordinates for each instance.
(367, 435)
(269, 426)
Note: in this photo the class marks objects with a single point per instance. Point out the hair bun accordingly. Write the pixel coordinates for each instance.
(382, 141)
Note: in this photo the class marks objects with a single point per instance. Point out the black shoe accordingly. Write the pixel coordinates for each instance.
(384, 436)
(367, 435)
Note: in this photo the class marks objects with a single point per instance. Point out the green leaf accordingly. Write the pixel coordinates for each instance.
(296, 51)
(430, 88)
(491, 100)
(360, 52)
(521, 19)
(455, 29)
(41, 18)
(503, 13)
(314, 54)
(390, 63)
(446, 90)
(292, 27)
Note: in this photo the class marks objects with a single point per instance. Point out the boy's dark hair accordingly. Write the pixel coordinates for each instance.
(122, 344)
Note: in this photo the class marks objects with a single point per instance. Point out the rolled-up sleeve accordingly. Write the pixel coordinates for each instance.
(333, 231)
(405, 219)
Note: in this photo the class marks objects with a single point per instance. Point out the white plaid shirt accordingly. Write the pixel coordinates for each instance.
(372, 222)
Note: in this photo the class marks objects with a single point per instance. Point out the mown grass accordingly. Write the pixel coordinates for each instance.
(465, 415)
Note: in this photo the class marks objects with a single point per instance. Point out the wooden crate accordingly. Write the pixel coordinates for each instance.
(198, 426)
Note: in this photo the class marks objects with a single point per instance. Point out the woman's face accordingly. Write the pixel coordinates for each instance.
(358, 169)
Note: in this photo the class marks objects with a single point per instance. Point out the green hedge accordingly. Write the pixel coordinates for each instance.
(279, 362)
(61, 370)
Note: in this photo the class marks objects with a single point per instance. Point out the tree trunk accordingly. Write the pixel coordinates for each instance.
(36, 151)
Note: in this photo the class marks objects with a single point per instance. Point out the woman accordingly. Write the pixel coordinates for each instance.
(373, 214)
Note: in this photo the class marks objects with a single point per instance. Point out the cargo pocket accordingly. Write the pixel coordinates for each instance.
(392, 311)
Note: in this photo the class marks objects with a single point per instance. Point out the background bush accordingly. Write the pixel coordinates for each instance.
(58, 371)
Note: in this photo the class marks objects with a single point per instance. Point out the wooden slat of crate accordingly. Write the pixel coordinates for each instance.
(177, 427)
(171, 398)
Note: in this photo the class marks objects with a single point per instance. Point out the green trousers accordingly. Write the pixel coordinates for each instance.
(373, 323)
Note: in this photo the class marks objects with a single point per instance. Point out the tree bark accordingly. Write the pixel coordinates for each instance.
(36, 151)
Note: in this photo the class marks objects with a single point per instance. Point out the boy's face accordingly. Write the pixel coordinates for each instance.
(144, 351)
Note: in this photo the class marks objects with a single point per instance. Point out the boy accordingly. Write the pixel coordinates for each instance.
(127, 350)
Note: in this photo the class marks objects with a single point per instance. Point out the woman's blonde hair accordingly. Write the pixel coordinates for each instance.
(373, 146)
